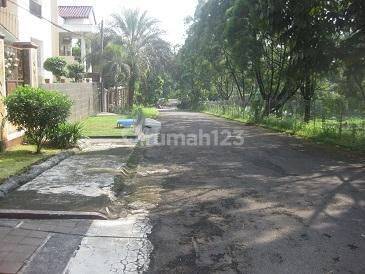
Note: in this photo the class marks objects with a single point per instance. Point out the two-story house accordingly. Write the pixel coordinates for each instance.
(30, 32)
(79, 21)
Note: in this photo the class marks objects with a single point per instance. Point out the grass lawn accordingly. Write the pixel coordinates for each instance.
(326, 132)
(18, 158)
(150, 112)
(99, 126)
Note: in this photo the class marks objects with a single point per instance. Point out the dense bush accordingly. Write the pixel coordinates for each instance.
(76, 52)
(37, 111)
(147, 112)
(56, 65)
(65, 135)
(2, 126)
(76, 71)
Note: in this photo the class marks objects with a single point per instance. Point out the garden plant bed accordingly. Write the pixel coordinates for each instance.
(18, 159)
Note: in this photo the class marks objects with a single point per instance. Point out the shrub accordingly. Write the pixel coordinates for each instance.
(56, 65)
(76, 52)
(2, 127)
(147, 112)
(37, 111)
(65, 135)
(75, 71)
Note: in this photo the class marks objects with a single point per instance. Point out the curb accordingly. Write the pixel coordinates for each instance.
(113, 137)
(49, 215)
(34, 171)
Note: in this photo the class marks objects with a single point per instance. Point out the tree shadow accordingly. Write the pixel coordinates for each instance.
(273, 205)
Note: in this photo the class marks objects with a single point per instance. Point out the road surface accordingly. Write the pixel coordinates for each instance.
(248, 201)
(272, 205)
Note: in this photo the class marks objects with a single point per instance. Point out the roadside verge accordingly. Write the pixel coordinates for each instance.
(13, 182)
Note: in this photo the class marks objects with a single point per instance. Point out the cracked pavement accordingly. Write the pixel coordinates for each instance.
(82, 182)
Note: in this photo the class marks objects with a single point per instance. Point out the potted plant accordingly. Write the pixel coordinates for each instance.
(76, 72)
(56, 65)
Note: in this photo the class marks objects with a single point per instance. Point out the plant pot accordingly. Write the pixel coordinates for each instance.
(47, 81)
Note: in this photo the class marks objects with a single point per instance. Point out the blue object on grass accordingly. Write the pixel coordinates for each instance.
(127, 123)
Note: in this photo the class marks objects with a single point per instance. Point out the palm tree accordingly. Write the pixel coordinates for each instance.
(115, 70)
(137, 32)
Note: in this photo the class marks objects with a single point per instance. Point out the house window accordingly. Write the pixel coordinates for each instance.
(35, 8)
(3, 4)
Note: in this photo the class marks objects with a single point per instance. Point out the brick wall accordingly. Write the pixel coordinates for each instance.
(84, 95)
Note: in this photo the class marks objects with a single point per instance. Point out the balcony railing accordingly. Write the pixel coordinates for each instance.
(9, 21)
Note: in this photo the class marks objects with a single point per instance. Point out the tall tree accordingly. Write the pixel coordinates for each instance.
(155, 69)
(116, 71)
(351, 21)
(254, 31)
(311, 33)
(137, 32)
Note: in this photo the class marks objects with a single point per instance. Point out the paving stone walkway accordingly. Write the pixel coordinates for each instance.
(20, 240)
(75, 246)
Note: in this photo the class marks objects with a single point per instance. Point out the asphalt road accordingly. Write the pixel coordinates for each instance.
(248, 201)
(275, 204)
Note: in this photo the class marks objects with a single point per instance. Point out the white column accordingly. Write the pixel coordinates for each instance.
(2, 68)
(83, 51)
(30, 63)
(33, 62)
(105, 101)
(2, 91)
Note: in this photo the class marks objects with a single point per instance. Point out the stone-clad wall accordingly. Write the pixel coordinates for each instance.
(84, 95)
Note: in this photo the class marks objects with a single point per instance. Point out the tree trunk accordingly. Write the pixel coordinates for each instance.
(132, 86)
(307, 91)
(39, 148)
(307, 110)
(267, 108)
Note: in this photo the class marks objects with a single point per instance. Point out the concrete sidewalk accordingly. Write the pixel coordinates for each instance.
(21, 240)
(75, 246)
(82, 182)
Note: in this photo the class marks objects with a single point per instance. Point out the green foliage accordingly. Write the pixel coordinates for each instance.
(240, 50)
(147, 112)
(116, 71)
(17, 159)
(135, 56)
(76, 71)
(76, 52)
(65, 135)
(105, 126)
(37, 111)
(56, 65)
(349, 133)
(2, 125)
(145, 53)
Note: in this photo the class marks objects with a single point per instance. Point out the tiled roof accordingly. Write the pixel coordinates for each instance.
(74, 11)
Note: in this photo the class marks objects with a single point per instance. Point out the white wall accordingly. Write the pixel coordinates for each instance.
(77, 3)
(33, 28)
(79, 21)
